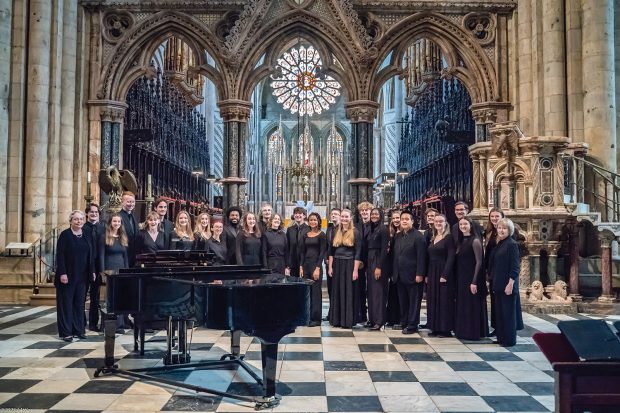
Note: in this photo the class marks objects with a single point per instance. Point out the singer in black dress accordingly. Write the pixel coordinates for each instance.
(203, 231)
(393, 304)
(182, 238)
(275, 245)
(344, 261)
(471, 321)
(376, 278)
(312, 254)
(152, 238)
(440, 280)
(248, 243)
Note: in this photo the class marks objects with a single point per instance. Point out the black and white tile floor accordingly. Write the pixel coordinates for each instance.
(321, 369)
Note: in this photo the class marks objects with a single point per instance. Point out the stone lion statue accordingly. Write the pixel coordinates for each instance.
(560, 292)
(537, 292)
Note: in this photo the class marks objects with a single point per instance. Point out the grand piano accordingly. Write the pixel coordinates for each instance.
(181, 289)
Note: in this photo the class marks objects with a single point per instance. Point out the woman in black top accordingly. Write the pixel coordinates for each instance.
(182, 238)
(393, 305)
(313, 251)
(248, 243)
(216, 244)
(203, 231)
(376, 279)
(440, 280)
(490, 238)
(275, 246)
(75, 265)
(152, 238)
(344, 261)
(113, 245)
(471, 289)
(504, 266)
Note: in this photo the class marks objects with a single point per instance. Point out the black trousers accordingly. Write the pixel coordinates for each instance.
(316, 300)
(506, 323)
(70, 303)
(94, 293)
(393, 306)
(377, 297)
(410, 300)
(363, 308)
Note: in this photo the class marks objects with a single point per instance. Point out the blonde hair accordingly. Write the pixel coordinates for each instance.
(345, 237)
(364, 205)
(203, 232)
(188, 232)
(122, 235)
(150, 215)
(446, 228)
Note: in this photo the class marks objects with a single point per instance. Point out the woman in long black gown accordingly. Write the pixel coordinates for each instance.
(504, 266)
(75, 264)
(393, 305)
(471, 305)
(313, 251)
(248, 243)
(376, 279)
(152, 238)
(203, 231)
(182, 238)
(275, 245)
(440, 280)
(490, 241)
(344, 262)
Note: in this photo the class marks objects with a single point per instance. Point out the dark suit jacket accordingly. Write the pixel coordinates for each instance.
(505, 263)
(132, 234)
(167, 226)
(229, 237)
(294, 236)
(93, 232)
(409, 255)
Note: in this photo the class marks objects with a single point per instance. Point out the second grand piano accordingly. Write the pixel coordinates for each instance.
(180, 288)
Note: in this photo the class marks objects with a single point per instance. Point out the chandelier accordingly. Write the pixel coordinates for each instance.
(297, 86)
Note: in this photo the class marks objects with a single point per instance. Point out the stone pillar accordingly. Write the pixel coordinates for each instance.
(525, 68)
(484, 191)
(235, 114)
(598, 80)
(476, 182)
(37, 129)
(67, 115)
(606, 292)
(6, 9)
(574, 72)
(573, 277)
(362, 114)
(554, 57)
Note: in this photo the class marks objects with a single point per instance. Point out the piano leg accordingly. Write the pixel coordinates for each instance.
(269, 354)
(235, 346)
(109, 328)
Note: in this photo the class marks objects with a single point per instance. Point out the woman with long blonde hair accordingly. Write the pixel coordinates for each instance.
(203, 231)
(344, 261)
(440, 280)
(182, 238)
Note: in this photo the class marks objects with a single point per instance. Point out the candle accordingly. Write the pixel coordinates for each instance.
(148, 185)
(87, 177)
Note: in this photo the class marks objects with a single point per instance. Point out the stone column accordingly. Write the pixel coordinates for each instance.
(67, 115)
(235, 114)
(573, 277)
(476, 182)
(6, 9)
(484, 191)
(574, 72)
(606, 292)
(554, 57)
(525, 68)
(35, 196)
(362, 114)
(598, 80)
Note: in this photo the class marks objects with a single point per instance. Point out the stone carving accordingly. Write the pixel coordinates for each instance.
(537, 292)
(560, 292)
(481, 26)
(113, 182)
(116, 24)
(505, 140)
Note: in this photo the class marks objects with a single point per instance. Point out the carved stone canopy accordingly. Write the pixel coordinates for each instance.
(361, 111)
(234, 110)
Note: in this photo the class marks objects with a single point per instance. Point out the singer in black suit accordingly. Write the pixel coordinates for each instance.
(294, 236)
(408, 270)
(130, 224)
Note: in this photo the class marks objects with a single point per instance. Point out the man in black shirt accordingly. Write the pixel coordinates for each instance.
(161, 207)
(363, 226)
(294, 236)
(130, 223)
(93, 229)
(409, 270)
(231, 229)
(334, 217)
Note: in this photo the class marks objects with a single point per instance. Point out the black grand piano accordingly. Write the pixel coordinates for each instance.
(180, 289)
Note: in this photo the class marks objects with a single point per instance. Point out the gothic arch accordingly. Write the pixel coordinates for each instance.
(272, 39)
(478, 73)
(131, 57)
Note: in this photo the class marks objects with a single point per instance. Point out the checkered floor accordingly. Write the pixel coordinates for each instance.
(321, 369)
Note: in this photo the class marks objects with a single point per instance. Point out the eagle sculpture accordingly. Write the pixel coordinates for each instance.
(114, 182)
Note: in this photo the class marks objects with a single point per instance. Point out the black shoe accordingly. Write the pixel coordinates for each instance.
(68, 339)
(325, 319)
(149, 331)
(492, 333)
(94, 328)
(444, 334)
(409, 330)
(314, 323)
(389, 324)
(423, 326)
(368, 324)
(376, 327)
(81, 336)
